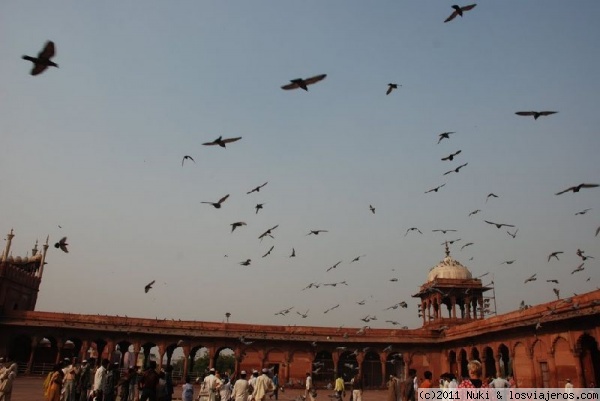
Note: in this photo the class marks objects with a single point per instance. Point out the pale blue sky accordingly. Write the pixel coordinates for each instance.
(96, 147)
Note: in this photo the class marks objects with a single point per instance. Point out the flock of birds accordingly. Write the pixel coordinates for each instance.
(44, 60)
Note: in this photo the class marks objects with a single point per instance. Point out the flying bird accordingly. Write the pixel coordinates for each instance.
(498, 225)
(458, 10)
(361, 302)
(62, 244)
(269, 251)
(435, 189)
(535, 114)
(456, 170)
(303, 83)
(413, 229)
(445, 135)
(597, 232)
(443, 231)
(584, 211)
(451, 242)
(391, 87)
(356, 259)
(372, 209)
(556, 292)
(552, 281)
(474, 212)
(149, 286)
(42, 61)
(316, 232)
(222, 142)
(236, 225)
(580, 253)
(293, 255)
(393, 280)
(554, 255)
(268, 232)
(332, 308)
(334, 266)
(244, 341)
(451, 156)
(246, 262)
(578, 188)
(257, 189)
(513, 234)
(403, 304)
(490, 195)
(187, 157)
(217, 205)
(508, 262)
(578, 269)
(531, 278)
(465, 245)
(258, 207)
(304, 315)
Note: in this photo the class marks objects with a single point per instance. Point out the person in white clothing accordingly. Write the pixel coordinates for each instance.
(213, 384)
(240, 388)
(100, 380)
(309, 388)
(569, 387)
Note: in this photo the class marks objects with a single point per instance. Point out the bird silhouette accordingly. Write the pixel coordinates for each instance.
(435, 189)
(268, 232)
(535, 114)
(597, 232)
(258, 207)
(580, 253)
(451, 242)
(584, 211)
(577, 188)
(304, 315)
(217, 205)
(391, 87)
(508, 262)
(445, 135)
(148, 286)
(293, 255)
(412, 229)
(269, 251)
(450, 157)
(334, 266)
(62, 244)
(361, 302)
(244, 341)
(246, 262)
(554, 255)
(578, 269)
(257, 189)
(443, 231)
(513, 234)
(552, 281)
(490, 195)
(236, 225)
(498, 225)
(372, 209)
(474, 212)
(531, 278)
(42, 61)
(332, 308)
(465, 245)
(303, 83)
(187, 157)
(459, 11)
(456, 170)
(222, 142)
(556, 292)
(356, 259)
(316, 232)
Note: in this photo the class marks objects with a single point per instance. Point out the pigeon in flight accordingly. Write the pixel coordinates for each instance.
(556, 292)
(443, 231)
(269, 251)
(217, 205)
(584, 211)
(149, 286)
(554, 255)
(334, 266)
(303, 83)
(372, 209)
(391, 87)
(42, 61)
(451, 242)
(268, 232)
(474, 212)
(412, 229)
(578, 269)
(258, 207)
(361, 302)
(580, 253)
(222, 142)
(62, 244)
(244, 341)
(356, 259)
(316, 232)
(498, 225)
(451, 156)
(246, 262)
(597, 232)
(456, 170)
(513, 234)
(257, 189)
(435, 189)
(187, 157)
(293, 255)
(532, 278)
(490, 195)
(458, 10)
(236, 225)
(535, 114)
(552, 281)
(304, 315)
(508, 262)
(465, 245)
(577, 188)
(332, 308)
(445, 135)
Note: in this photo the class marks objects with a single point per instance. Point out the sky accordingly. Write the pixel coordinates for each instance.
(96, 146)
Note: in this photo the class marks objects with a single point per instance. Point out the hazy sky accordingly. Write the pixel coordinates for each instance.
(96, 147)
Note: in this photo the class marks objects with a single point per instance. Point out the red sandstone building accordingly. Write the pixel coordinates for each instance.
(541, 346)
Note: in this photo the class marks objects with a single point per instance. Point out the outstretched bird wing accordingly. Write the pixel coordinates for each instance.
(229, 140)
(223, 199)
(547, 113)
(526, 113)
(48, 51)
(451, 16)
(315, 79)
(469, 7)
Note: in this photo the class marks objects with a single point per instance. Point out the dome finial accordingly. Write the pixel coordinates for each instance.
(447, 250)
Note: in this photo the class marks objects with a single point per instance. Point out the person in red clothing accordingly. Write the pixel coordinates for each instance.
(426, 383)
(474, 380)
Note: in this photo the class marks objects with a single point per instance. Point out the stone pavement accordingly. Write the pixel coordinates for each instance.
(27, 388)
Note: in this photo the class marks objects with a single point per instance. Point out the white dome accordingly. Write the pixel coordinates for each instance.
(449, 268)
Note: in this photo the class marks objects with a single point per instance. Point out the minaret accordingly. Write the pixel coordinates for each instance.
(9, 238)
(34, 251)
(43, 261)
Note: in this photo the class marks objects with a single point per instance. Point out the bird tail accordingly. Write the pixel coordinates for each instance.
(28, 58)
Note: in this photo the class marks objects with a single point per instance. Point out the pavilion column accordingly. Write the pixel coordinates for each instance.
(360, 358)
(483, 367)
(383, 360)
(499, 371)
(453, 306)
(109, 349)
(468, 307)
(59, 346)
(136, 353)
(186, 360)
(579, 368)
(459, 359)
(406, 360)
(83, 350)
(423, 311)
(34, 345)
(438, 314)
(161, 354)
(336, 360)
(211, 356)
(481, 307)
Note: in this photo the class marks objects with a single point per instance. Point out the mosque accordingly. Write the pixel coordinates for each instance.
(540, 346)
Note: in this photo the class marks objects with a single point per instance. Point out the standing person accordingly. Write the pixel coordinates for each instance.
(123, 385)
(262, 386)
(169, 383)
(6, 382)
(56, 382)
(427, 382)
(357, 388)
(276, 384)
(110, 384)
(569, 387)
(226, 388)
(309, 388)
(187, 391)
(133, 383)
(148, 383)
(100, 380)
(474, 381)
(240, 388)
(452, 381)
(393, 386)
(339, 387)
(84, 381)
(212, 384)
(408, 386)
